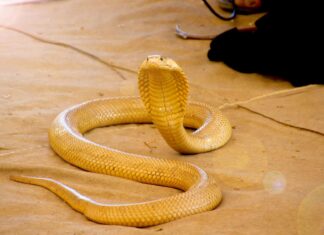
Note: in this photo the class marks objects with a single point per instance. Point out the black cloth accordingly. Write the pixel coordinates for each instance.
(287, 43)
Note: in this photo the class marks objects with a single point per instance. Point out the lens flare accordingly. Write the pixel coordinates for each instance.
(274, 182)
(310, 217)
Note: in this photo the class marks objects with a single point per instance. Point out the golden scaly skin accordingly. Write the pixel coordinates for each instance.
(164, 91)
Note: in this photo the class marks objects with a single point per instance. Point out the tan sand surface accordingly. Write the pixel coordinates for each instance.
(59, 53)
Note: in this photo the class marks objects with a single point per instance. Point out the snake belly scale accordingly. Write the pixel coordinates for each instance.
(163, 100)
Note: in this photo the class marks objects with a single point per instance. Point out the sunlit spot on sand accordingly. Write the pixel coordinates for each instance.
(11, 2)
(10, 15)
(310, 217)
(274, 182)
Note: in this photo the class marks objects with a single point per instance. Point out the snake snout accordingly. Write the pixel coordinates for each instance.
(156, 61)
(159, 57)
(159, 63)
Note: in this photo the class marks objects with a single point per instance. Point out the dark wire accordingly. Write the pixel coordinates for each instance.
(232, 16)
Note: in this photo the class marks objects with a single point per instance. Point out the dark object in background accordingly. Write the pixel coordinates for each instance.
(286, 43)
(229, 5)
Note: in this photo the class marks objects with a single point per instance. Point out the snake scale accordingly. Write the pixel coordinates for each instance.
(163, 89)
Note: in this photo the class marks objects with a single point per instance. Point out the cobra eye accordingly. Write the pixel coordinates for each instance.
(161, 58)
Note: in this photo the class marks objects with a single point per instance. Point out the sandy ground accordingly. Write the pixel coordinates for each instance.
(60, 53)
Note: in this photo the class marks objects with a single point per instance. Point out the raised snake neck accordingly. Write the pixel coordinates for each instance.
(164, 91)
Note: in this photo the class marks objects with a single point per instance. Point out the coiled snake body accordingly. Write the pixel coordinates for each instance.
(164, 90)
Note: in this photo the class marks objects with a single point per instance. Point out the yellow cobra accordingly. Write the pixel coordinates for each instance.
(164, 90)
